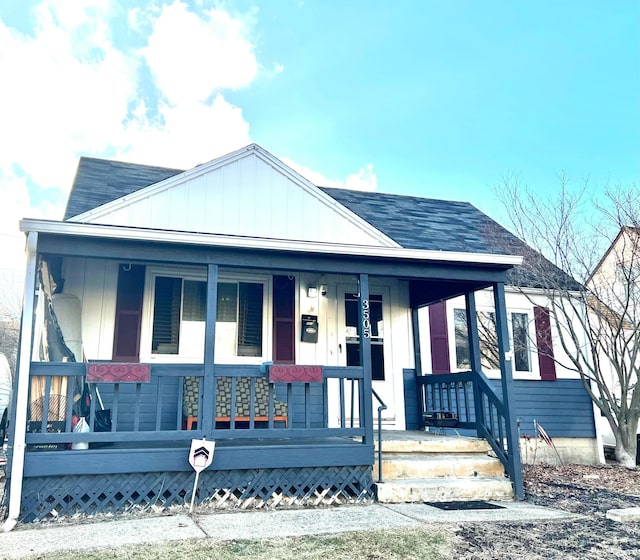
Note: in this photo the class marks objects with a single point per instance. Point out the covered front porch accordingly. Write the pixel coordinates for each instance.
(279, 441)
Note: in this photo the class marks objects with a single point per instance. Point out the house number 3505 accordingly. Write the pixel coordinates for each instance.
(366, 322)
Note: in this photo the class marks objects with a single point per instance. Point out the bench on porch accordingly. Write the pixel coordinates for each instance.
(243, 401)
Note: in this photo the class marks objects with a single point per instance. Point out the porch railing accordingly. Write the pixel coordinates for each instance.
(155, 411)
(477, 407)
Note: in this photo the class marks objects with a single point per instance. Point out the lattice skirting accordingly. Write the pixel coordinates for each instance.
(45, 498)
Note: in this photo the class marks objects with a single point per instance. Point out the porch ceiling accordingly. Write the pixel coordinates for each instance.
(426, 292)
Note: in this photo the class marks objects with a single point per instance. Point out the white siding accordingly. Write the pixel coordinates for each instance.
(94, 283)
(247, 197)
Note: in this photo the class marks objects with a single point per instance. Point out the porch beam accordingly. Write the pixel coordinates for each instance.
(506, 359)
(207, 413)
(135, 251)
(364, 320)
(173, 459)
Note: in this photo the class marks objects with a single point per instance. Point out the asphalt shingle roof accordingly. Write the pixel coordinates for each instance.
(413, 222)
(99, 181)
(427, 223)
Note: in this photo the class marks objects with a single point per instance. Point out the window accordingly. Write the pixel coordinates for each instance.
(351, 314)
(520, 334)
(239, 319)
(175, 303)
(179, 316)
(488, 335)
(463, 361)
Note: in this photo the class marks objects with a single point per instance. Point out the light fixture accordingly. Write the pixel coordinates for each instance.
(312, 292)
(323, 289)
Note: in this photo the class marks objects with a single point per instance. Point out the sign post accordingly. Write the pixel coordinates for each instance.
(200, 457)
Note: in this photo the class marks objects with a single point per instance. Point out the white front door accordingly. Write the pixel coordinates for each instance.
(381, 354)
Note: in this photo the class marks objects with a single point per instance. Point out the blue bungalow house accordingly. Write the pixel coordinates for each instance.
(237, 301)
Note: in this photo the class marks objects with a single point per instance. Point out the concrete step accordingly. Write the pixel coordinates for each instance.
(444, 490)
(422, 442)
(421, 465)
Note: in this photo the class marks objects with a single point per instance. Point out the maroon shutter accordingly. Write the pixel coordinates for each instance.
(545, 344)
(126, 339)
(283, 320)
(439, 338)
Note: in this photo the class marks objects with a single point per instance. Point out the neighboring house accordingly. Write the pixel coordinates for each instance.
(614, 288)
(237, 301)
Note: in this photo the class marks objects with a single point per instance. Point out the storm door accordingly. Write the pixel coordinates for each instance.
(381, 355)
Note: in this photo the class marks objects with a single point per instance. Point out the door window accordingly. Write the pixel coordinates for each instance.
(351, 313)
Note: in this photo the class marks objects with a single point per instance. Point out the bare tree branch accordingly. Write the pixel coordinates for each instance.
(585, 258)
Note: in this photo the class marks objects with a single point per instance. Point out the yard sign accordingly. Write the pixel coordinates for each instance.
(200, 457)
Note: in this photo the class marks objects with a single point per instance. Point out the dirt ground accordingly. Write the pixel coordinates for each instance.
(586, 490)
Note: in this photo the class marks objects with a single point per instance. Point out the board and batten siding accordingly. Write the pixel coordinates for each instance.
(94, 282)
(247, 197)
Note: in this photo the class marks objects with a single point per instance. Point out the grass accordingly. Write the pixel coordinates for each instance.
(408, 544)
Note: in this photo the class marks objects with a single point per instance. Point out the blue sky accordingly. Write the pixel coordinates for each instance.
(436, 99)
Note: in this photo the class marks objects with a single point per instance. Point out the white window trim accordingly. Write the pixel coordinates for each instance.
(198, 274)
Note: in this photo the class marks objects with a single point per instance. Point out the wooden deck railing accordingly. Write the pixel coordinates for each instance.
(470, 397)
(155, 411)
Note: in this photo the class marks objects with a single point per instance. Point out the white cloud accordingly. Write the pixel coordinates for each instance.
(192, 56)
(191, 133)
(69, 92)
(364, 179)
(72, 90)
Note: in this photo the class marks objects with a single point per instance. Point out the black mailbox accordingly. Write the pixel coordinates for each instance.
(309, 328)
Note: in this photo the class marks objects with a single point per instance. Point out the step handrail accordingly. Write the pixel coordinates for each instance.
(381, 407)
(478, 406)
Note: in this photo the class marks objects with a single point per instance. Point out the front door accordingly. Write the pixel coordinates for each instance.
(381, 355)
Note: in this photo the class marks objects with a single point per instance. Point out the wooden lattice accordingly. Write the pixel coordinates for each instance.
(48, 497)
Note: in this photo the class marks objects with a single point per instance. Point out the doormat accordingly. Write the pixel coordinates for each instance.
(463, 506)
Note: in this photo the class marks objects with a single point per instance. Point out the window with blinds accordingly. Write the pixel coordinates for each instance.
(166, 315)
(249, 319)
(179, 314)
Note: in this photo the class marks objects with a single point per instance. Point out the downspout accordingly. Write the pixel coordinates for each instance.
(22, 389)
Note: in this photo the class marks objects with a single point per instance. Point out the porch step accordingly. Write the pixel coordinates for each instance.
(444, 490)
(433, 465)
(426, 467)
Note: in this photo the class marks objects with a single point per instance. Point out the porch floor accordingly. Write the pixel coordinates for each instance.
(396, 440)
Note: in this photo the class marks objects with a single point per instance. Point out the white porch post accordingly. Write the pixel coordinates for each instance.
(22, 385)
